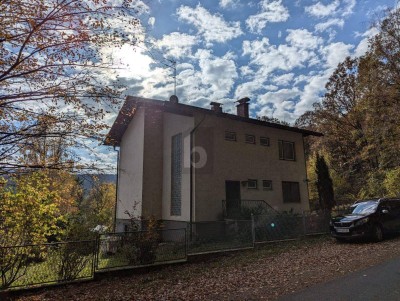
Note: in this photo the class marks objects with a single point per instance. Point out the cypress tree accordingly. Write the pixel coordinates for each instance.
(324, 184)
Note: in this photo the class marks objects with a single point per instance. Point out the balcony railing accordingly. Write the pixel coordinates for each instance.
(242, 209)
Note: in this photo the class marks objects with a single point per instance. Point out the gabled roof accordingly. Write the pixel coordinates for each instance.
(132, 103)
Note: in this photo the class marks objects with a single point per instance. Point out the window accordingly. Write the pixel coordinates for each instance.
(230, 136)
(291, 192)
(286, 150)
(176, 174)
(251, 184)
(264, 141)
(250, 139)
(267, 184)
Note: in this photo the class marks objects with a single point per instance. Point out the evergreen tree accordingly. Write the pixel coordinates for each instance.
(324, 183)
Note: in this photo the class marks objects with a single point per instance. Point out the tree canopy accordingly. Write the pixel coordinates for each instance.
(358, 116)
(52, 71)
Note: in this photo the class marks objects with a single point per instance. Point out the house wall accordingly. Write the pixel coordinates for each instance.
(153, 163)
(175, 124)
(239, 161)
(131, 169)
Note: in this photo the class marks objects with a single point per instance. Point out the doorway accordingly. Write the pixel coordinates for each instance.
(232, 193)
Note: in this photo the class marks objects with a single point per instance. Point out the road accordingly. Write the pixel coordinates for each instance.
(380, 282)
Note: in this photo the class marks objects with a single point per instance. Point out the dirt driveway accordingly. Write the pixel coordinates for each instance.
(261, 274)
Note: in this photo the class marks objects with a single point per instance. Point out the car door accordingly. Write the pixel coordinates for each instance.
(396, 215)
(385, 216)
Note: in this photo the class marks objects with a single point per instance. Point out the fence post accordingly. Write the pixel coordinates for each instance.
(304, 224)
(253, 230)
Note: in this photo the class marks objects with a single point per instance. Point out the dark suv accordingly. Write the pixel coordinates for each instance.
(368, 219)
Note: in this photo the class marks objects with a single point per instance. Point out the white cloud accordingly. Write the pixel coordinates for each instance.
(284, 79)
(212, 27)
(323, 26)
(335, 53)
(271, 11)
(228, 3)
(362, 46)
(314, 88)
(282, 57)
(320, 10)
(338, 8)
(151, 21)
(213, 81)
(279, 104)
(303, 39)
(348, 7)
(177, 44)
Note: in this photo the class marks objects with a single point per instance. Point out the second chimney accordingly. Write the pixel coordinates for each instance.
(243, 107)
(216, 107)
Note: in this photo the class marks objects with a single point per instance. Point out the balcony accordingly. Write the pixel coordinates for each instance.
(242, 209)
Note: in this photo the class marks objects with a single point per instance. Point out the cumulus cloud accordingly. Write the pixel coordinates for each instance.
(279, 104)
(271, 11)
(303, 39)
(212, 27)
(362, 46)
(323, 26)
(340, 8)
(284, 56)
(227, 3)
(177, 44)
(213, 80)
(320, 10)
(335, 53)
(284, 79)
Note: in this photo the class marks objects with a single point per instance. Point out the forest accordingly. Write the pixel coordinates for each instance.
(358, 116)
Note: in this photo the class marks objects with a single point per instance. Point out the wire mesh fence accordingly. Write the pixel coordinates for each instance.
(38, 265)
(283, 226)
(140, 248)
(219, 235)
(316, 222)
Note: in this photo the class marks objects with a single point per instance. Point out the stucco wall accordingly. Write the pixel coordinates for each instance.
(152, 163)
(239, 161)
(175, 124)
(131, 167)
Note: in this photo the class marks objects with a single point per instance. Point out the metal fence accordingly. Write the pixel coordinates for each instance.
(219, 235)
(283, 226)
(140, 248)
(37, 265)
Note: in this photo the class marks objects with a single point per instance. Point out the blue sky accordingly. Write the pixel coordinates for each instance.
(279, 53)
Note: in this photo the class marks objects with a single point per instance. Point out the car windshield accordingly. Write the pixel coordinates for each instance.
(364, 208)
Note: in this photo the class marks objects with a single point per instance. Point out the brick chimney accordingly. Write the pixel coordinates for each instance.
(243, 107)
(216, 107)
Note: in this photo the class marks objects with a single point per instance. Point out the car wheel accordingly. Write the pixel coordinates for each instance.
(377, 233)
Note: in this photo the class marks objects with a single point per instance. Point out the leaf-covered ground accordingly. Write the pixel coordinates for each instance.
(264, 273)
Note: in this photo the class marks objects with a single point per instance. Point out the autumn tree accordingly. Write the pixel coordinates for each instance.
(358, 116)
(29, 215)
(98, 206)
(53, 70)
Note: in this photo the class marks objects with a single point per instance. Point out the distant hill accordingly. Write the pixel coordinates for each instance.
(88, 180)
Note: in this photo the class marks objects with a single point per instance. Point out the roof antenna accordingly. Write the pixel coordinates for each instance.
(173, 66)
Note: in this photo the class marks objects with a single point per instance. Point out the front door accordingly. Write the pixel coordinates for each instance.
(232, 191)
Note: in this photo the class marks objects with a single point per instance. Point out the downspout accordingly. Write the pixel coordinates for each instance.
(116, 191)
(191, 173)
(305, 166)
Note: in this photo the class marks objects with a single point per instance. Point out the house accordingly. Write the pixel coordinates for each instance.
(235, 158)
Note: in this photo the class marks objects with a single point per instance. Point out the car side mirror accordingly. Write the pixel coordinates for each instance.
(385, 211)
